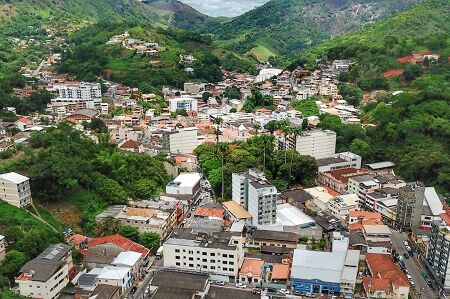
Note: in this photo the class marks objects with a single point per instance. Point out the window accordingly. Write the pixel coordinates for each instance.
(191, 258)
(205, 267)
(191, 252)
(191, 265)
(177, 250)
(213, 268)
(204, 253)
(224, 255)
(212, 261)
(177, 257)
(231, 263)
(231, 256)
(204, 260)
(225, 262)
(212, 254)
(177, 264)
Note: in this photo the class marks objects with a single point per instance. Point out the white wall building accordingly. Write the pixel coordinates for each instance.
(2, 247)
(15, 189)
(317, 143)
(342, 205)
(183, 103)
(256, 195)
(185, 183)
(77, 92)
(219, 253)
(183, 141)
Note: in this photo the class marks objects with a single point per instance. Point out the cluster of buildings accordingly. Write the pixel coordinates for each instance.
(149, 49)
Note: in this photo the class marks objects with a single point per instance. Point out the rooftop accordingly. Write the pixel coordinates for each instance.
(274, 235)
(121, 242)
(14, 177)
(253, 266)
(55, 252)
(172, 284)
(382, 266)
(40, 269)
(380, 165)
(217, 292)
(292, 216)
(128, 258)
(236, 210)
(104, 291)
(186, 179)
(187, 237)
(280, 271)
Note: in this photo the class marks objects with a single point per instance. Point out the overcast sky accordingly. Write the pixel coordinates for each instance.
(228, 8)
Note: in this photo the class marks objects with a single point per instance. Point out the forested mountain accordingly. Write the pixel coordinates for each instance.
(162, 12)
(283, 26)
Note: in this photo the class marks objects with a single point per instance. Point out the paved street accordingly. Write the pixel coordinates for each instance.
(414, 268)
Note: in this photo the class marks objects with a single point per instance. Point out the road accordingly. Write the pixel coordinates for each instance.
(38, 70)
(413, 267)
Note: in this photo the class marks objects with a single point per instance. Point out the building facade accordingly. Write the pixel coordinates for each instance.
(317, 143)
(183, 141)
(15, 189)
(410, 205)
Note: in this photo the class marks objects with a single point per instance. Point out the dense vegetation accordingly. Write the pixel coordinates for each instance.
(281, 27)
(64, 165)
(307, 107)
(283, 168)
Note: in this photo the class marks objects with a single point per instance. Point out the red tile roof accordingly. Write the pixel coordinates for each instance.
(76, 239)
(26, 120)
(359, 225)
(384, 273)
(120, 241)
(280, 271)
(342, 175)
(364, 215)
(252, 266)
(131, 144)
(209, 212)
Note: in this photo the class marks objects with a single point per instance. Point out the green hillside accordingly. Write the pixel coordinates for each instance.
(283, 26)
(182, 15)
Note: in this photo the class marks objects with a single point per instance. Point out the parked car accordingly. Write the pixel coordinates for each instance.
(409, 277)
(406, 255)
(221, 283)
(284, 291)
(405, 243)
(241, 286)
(256, 291)
(309, 295)
(408, 248)
(133, 290)
(412, 283)
(272, 290)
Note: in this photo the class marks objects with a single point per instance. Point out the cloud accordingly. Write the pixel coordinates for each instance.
(228, 8)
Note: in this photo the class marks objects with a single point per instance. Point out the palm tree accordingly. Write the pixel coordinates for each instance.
(286, 130)
(271, 126)
(217, 122)
(295, 132)
(256, 128)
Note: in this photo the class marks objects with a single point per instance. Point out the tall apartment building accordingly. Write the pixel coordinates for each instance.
(183, 103)
(15, 189)
(438, 255)
(258, 196)
(183, 141)
(78, 92)
(410, 204)
(316, 143)
(217, 253)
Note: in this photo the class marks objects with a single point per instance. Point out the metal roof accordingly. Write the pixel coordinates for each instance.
(324, 266)
(14, 177)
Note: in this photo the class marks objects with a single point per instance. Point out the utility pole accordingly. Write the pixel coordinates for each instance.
(222, 177)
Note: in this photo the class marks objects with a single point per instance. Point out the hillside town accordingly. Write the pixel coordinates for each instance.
(361, 232)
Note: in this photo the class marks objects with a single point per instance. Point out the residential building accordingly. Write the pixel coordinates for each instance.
(320, 196)
(185, 184)
(386, 280)
(438, 255)
(271, 238)
(176, 284)
(257, 195)
(386, 167)
(355, 217)
(183, 140)
(235, 212)
(132, 146)
(316, 143)
(194, 88)
(129, 259)
(410, 205)
(82, 115)
(160, 221)
(2, 248)
(432, 208)
(217, 253)
(183, 103)
(46, 275)
(73, 92)
(210, 211)
(113, 276)
(15, 189)
(338, 179)
(332, 273)
(340, 206)
(251, 271)
(377, 233)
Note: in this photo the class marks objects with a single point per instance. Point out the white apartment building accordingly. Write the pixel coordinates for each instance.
(338, 161)
(2, 248)
(183, 103)
(77, 92)
(256, 195)
(342, 205)
(15, 189)
(183, 141)
(187, 183)
(219, 253)
(316, 143)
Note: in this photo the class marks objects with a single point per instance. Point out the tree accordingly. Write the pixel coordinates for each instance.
(305, 124)
(271, 126)
(108, 226)
(256, 128)
(13, 233)
(217, 122)
(14, 260)
(97, 125)
(129, 232)
(205, 96)
(352, 94)
(151, 240)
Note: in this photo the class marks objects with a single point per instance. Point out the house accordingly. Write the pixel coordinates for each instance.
(185, 184)
(82, 115)
(178, 284)
(234, 212)
(218, 292)
(386, 280)
(212, 210)
(113, 276)
(46, 275)
(273, 238)
(321, 196)
(15, 189)
(340, 206)
(104, 291)
(251, 271)
(132, 146)
(2, 248)
(24, 123)
(129, 259)
(337, 179)
(356, 219)
(78, 241)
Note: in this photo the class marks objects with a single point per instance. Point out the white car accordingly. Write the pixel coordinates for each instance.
(405, 243)
(284, 291)
(241, 286)
(408, 248)
(409, 277)
(412, 283)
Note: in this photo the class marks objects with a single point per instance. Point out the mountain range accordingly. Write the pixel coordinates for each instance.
(283, 26)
